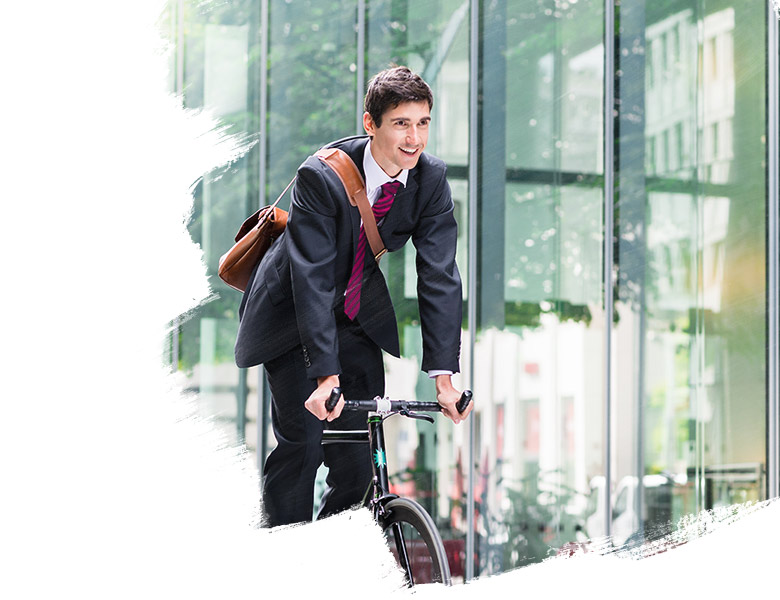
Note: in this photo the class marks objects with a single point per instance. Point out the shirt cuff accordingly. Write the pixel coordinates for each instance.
(436, 372)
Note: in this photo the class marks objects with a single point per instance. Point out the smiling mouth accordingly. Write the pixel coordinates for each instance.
(409, 151)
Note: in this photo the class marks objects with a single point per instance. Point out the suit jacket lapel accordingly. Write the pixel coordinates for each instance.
(355, 148)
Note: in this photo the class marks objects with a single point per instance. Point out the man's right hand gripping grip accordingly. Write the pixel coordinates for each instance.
(331, 402)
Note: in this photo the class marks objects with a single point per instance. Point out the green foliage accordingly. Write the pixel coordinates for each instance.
(311, 81)
(537, 521)
(527, 314)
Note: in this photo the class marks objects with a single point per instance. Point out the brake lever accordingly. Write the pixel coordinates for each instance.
(412, 415)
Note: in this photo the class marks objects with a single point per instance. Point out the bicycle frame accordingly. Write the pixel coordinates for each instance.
(385, 507)
(374, 436)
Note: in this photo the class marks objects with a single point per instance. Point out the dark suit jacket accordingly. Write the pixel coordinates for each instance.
(294, 291)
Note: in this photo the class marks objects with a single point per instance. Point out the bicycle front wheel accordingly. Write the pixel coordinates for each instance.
(415, 542)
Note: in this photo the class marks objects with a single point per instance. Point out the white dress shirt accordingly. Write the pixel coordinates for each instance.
(376, 177)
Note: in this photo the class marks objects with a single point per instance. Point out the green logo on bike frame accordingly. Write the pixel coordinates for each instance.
(379, 459)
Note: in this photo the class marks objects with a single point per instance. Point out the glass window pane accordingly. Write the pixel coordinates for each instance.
(689, 363)
(220, 49)
(538, 356)
(311, 82)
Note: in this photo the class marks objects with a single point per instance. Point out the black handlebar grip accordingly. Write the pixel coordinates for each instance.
(331, 402)
(463, 403)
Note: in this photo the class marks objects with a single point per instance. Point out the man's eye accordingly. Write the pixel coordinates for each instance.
(401, 123)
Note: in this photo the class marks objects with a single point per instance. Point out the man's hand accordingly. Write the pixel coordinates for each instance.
(316, 402)
(447, 396)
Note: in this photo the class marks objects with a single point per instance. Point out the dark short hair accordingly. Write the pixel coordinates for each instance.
(391, 87)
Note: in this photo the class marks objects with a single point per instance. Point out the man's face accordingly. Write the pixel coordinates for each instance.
(399, 141)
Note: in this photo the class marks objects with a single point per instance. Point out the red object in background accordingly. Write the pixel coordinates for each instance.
(569, 426)
(422, 566)
(499, 432)
(458, 494)
(406, 487)
(455, 551)
(570, 549)
(456, 556)
(532, 429)
(484, 471)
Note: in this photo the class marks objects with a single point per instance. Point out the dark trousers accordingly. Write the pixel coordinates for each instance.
(291, 468)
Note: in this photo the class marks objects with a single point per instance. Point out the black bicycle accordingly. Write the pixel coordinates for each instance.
(411, 533)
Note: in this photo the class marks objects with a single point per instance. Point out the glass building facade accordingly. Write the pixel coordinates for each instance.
(614, 171)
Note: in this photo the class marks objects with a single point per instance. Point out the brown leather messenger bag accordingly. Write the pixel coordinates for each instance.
(259, 231)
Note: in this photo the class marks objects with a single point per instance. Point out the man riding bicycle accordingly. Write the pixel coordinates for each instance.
(317, 313)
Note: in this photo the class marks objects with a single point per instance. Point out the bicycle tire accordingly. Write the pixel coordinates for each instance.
(427, 559)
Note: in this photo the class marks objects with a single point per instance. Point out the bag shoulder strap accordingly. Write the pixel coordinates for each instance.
(348, 173)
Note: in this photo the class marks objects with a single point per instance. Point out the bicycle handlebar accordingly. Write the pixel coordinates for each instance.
(465, 400)
(386, 405)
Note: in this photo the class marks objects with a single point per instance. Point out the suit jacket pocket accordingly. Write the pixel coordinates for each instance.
(274, 284)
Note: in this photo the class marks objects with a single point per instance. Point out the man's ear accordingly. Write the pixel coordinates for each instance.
(368, 124)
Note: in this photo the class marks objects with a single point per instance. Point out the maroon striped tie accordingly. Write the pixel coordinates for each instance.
(380, 208)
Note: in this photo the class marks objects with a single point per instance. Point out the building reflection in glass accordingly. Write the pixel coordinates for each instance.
(688, 337)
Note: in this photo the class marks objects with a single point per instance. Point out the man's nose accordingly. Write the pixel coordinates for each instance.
(412, 135)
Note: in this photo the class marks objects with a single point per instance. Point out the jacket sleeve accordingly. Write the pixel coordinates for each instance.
(312, 245)
(439, 292)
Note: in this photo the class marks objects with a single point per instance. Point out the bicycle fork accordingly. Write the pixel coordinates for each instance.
(381, 485)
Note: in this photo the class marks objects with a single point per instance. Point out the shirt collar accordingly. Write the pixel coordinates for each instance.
(375, 176)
